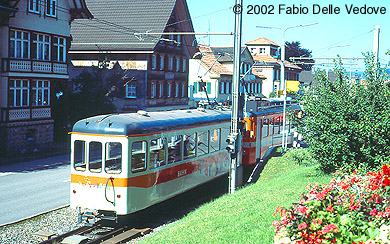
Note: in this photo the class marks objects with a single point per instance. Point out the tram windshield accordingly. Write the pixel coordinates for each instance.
(113, 157)
(111, 152)
(79, 156)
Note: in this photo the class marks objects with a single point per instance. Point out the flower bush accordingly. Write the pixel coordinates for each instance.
(353, 208)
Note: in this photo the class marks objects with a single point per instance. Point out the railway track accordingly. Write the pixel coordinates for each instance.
(98, 234)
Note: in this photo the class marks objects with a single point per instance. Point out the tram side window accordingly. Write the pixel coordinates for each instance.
(113, 157)
(79, 156)
(138, 156)
(189, 146)
(277, 122)
(95, 156)
(271, 126)
(224, 134)
(203, 142)
(265, 127)
(157, 152)
(174, 149)
(215, 140)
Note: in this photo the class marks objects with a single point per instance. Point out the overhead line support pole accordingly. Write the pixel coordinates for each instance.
(234, 138)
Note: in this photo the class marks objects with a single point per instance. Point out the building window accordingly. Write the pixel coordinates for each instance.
(183, 90)
(169, 89)
(253, 50)
(154, 62)
(262, 50)
(19, 44)
(19, 93)
(41, 93)
(41, 47)
(184, 65)
(162, 59)
(34, 6)
(153, 90)
(176, 89)
(171, 39)
(222, 88)
(51, 8)
(131, 90)
(161, 90)
(170, 63)
(178, 40)
(59, 50)
(178, 64)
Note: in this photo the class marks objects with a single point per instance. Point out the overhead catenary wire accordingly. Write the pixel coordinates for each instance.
(128, 30)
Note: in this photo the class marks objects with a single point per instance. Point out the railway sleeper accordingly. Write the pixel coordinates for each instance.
(127, 236)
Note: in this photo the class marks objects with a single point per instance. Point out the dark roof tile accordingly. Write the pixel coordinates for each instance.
(116, 21)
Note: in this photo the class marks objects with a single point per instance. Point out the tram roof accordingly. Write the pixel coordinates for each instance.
(128, 124)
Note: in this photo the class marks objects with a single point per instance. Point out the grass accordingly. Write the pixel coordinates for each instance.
(247, 215)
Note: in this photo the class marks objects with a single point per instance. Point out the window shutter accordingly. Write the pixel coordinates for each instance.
(208, 87)
(195, 87)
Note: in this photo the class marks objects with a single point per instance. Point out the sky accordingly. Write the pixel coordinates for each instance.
(345, 34)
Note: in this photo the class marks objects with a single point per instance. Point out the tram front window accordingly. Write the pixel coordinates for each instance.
(95, 156)
(113, 157)
(79, 156)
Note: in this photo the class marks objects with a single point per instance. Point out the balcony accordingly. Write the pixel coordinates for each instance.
(18, 65)
(18, 114)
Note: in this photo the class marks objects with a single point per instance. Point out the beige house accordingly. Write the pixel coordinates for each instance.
(211, 73)
(265, 54)
(208, 78)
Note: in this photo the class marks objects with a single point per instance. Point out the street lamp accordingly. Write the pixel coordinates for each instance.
(282, 75)
(283, 57)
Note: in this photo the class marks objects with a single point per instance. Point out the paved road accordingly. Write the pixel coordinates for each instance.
(33, 187)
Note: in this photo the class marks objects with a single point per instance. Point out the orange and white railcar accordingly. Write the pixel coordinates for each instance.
(123, 163)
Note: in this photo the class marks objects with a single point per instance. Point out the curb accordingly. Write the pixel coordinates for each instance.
(8, 161)
(33, 216)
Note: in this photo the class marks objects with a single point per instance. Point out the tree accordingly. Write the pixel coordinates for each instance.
(91, 96)
(347, 124)
(294, 49)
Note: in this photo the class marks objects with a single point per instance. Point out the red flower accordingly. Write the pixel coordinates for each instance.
(330, 208)
(354, 179)
(385, 170)
(386, 181)
(331, 227)
(320, 196)
(345, 186)
(302, 209)
(317, 221)
(302, 226)
(373, 212)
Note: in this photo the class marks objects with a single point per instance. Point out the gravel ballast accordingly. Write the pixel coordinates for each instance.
(57, 222)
